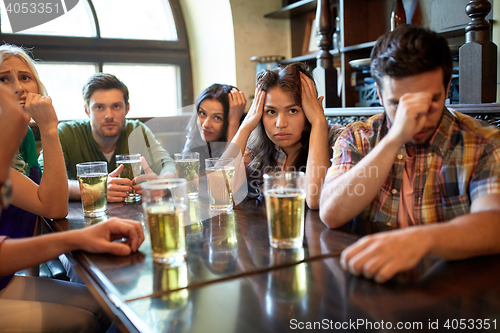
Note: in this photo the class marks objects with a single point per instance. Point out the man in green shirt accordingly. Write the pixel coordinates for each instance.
(106, 134)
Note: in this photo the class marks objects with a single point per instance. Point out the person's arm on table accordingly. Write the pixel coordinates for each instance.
(338, 207)
(50, 199)
(16, 254)
(318, 158)
(382, 255)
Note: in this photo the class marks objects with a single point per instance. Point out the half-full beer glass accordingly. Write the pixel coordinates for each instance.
(93, 177)
(285, 206)
(131, 169)
(220, 175)
(187, 166)
(165, 203)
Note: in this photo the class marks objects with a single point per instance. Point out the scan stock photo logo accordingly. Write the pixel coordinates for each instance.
(26, 14)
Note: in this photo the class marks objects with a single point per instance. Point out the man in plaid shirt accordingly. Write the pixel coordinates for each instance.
(416, 164)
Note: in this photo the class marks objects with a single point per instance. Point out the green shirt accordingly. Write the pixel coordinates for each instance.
(28, 151)
(79, 146)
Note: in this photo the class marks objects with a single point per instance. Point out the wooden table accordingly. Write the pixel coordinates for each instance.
(234, 282)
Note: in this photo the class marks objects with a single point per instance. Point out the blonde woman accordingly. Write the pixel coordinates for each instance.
(50, 195)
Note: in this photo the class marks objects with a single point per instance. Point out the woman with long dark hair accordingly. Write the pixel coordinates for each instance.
(216, 118)
(286, 129)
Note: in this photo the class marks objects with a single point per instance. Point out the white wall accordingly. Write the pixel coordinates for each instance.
(256, 35)
(210, 32)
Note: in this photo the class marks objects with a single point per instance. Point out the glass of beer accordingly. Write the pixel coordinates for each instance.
(131, 169)
(220, 175)
(285, 206)
(165, 202)
(93, 177)
(187, 166)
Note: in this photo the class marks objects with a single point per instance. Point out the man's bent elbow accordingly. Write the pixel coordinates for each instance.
(329, 218)
(331, 214)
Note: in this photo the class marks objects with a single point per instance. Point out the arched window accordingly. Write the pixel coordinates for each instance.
(142, 43)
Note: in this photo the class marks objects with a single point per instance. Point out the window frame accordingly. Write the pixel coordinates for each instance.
(108, 50)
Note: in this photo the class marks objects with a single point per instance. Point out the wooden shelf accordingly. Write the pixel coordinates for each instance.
(308, 57)
(297, 8)
(484, 108)
(362, 22)
(456, 31)
(358, 47)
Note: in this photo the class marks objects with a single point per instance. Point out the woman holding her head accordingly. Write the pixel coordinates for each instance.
(286, 129)
(29, 304)
(216, 119)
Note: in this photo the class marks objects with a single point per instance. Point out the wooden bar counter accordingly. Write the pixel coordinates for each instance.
(233, 281)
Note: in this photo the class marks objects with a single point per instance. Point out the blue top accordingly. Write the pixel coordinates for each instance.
(16, 222)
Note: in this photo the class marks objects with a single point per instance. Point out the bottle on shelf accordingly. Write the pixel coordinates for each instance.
(398, 15)
(336, 34)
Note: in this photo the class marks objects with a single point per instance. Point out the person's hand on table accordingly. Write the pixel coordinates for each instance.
(118, 188)
(99, 237)
(383, 255)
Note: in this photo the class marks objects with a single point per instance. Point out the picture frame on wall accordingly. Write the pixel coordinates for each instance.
(311, 36)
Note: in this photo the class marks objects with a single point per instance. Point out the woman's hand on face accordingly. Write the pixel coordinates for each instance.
(41, 110)
(254, 115)
(237, 103)
(13, 118)
(312, 105)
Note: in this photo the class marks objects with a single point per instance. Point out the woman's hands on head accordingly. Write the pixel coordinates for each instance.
(311, 104)
(237, 103)
(251, 121)
(256, 111)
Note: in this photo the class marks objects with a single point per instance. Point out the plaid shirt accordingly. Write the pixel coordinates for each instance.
(460, 163)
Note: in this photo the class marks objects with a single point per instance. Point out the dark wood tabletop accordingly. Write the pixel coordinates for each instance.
(233, 281)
